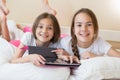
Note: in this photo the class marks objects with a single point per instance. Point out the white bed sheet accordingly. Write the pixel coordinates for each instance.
(91, 69)
(26, 71)
(97, 69)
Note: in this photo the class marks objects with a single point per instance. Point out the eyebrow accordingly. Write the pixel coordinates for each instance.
(81, 22)
(40, 24)
(89, 21)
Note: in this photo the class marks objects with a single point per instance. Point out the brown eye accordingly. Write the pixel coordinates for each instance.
(50, 27)
(40, 27)
(79, 25)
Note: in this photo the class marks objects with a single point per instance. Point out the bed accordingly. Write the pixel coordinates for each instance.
(92, 69)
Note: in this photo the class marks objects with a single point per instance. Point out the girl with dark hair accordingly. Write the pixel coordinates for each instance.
(84, 41)
(45, 32)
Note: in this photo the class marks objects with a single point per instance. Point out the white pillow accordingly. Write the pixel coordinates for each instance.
(27, 71)
(97, 69)
(6, 50)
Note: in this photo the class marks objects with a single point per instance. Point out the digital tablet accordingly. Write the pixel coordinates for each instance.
(51, 57)
(63, 64)
(44, 51)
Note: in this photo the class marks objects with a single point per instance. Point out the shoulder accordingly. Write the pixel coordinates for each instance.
(66, 39)
(101, 41)
(66, 42)
(55, 45)
(27, 38)
(101, 45)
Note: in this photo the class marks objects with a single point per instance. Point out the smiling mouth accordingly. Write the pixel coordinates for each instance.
(85, 35)
(43, 35)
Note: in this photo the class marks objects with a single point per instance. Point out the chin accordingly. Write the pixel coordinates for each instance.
(85, 40)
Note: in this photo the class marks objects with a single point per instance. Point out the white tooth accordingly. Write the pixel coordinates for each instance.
(84, 34)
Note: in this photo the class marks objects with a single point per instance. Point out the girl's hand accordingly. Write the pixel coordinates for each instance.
(64, 55)
(37, 59)
(73, 59)
(88, 55)
(60, 51)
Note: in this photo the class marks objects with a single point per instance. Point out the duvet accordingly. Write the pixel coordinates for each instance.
(92, 69)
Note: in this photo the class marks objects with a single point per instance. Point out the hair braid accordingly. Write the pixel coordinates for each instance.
(74, 47)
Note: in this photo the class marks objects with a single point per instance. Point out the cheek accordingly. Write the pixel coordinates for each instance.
(76, 30)
(0, 30)
(38, 30)
(52, 33)
(92, 30)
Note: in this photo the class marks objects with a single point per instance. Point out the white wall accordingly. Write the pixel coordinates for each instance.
(107, 11)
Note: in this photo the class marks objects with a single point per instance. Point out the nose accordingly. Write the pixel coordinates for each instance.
(44, 30)
(83, 28)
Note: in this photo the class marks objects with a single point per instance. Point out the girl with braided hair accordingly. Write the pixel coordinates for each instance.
(84, 41)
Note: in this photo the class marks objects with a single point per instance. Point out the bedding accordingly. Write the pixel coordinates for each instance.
(97, 69)
(92, 69)
(6, 51)
(26, 71)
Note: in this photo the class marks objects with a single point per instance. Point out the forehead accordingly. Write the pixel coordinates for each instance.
(83, 17)
(45, 21)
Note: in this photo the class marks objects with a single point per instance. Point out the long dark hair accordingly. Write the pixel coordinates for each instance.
(55, 23)
(74, 39)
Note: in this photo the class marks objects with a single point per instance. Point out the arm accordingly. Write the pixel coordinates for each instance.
(17, 58)
(88, 55)
(113, 52)
(34, 58)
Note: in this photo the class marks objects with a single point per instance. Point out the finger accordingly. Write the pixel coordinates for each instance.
(37, 63)
(58, 50)
(71, 59)
(65, 58)
(76, 59)
(84, 56)
(42, 58)
(87, 57)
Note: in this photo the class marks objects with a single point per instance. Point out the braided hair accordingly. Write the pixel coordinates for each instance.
(74, 39)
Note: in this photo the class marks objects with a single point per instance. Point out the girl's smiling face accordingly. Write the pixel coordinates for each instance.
(83, 29)
(45, 30)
